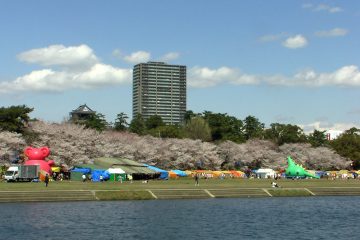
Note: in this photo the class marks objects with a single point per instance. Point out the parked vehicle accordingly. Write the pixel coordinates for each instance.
(22, 173)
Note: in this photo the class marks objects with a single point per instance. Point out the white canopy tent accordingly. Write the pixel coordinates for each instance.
(265, 173)
(116, 171)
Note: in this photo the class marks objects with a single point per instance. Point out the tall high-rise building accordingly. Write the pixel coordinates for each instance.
(160, 89)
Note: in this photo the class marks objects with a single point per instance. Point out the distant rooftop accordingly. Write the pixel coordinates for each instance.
(82, 113)
(156, 62)
(83, 109)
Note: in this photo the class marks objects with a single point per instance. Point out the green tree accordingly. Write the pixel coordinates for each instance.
(96, 121)
(235, 130)
(137, 125)
(253, 128)
(188, 115)
(224, 127)
(167, 131)
(348, 145)
(154, 122)
(274, 132)
(14, 118)
(121, 123)
(318, 138)
(285, 133)
(198, 128)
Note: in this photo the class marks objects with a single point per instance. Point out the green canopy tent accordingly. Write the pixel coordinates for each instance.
(117, 174)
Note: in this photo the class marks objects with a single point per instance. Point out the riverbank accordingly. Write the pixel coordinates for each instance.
(174, 189)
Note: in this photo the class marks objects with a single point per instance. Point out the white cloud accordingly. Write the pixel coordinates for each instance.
(59, 55)
(293, 42)
(77, 67)
(49, 80)
(324, 126)
(322, 7)
(138, 57)
(330, 9)
(335, 32)
(297, 41)
(345, 76)
(206, 77)
(102, 74)
(170, 56)
(34, 81)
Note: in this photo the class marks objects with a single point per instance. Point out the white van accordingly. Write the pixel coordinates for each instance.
(22, 173)
(12, 173)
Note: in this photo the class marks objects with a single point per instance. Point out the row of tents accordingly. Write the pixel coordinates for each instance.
(116, 169)
(340, 174)
(118, 174)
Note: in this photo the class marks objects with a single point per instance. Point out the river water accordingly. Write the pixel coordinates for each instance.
(259, 218)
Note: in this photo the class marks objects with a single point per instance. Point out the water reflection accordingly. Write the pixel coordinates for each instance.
(300, 218)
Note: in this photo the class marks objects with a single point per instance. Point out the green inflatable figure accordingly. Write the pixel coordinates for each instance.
(295, 170)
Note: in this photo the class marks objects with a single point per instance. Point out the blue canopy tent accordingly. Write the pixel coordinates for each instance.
(82, 170)
(95, 175)
(179, 173)
(77, 173)
(320, 174)
(163, 174)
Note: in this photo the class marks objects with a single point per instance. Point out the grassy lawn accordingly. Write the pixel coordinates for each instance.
(182, 183)
(123, 195)
(289, 192)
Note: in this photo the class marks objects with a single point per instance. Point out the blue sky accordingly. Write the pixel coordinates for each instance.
(282, 61)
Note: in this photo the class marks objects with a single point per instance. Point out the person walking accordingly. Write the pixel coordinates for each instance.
(196, 180)
(130, 177)
(46, 180)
